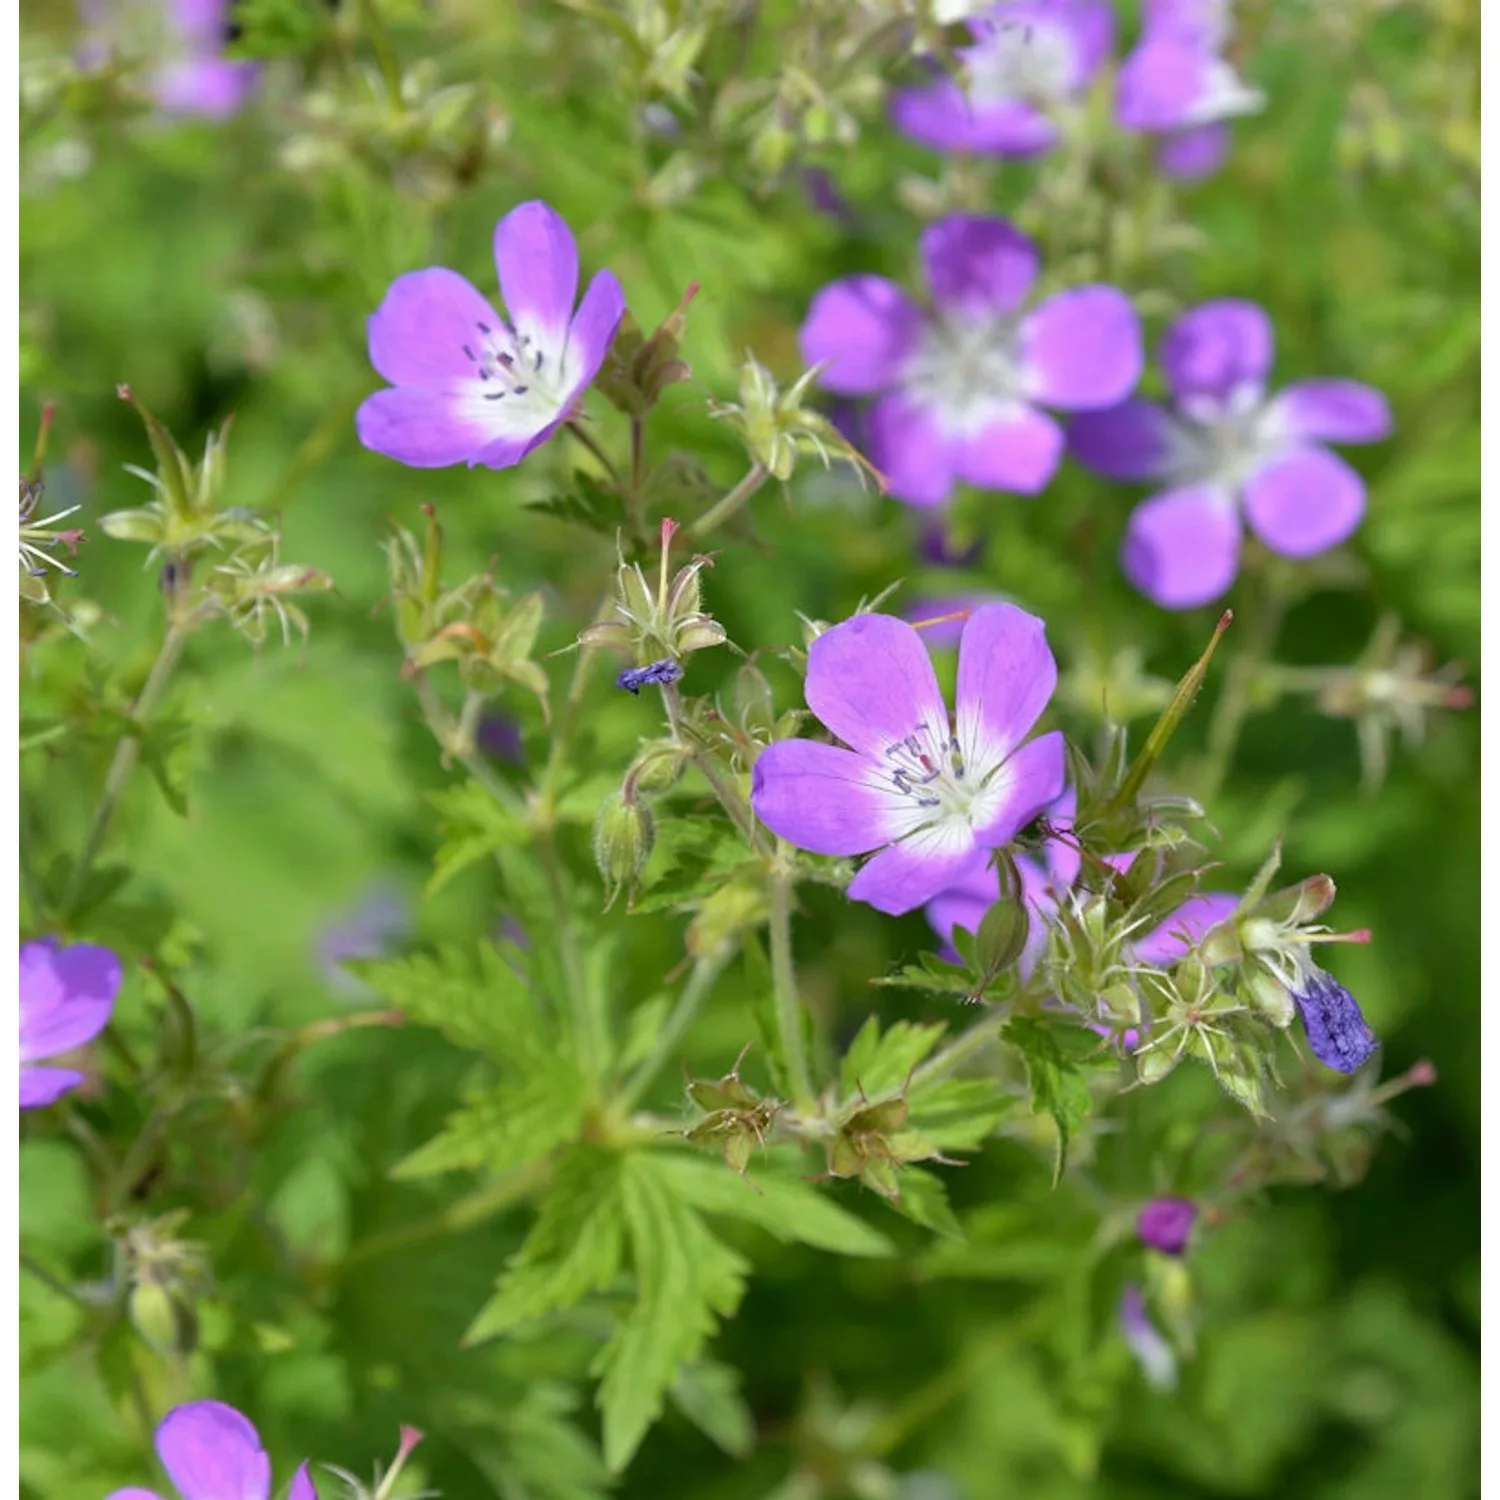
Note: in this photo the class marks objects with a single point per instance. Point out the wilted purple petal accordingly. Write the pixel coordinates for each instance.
(1182, 548)
(1335, 1026)
(211, 1452)
(1332, 411)
(1130, 441)
(1304, 502)
(910, 448)
(861, 328)
(821, 798)
(1165, 1224)
(1082, 349)
(978, 264)
(1216, 347)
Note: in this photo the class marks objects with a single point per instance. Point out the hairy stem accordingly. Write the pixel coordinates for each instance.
(578, 431)
(727, 793)
(982, 1034)
(716, 515)
(788, 1005)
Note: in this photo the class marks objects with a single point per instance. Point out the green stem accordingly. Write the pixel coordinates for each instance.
(42, 1274)
(727, 793)
(578, 431)
(979, 1036)
(788, 1006)
(684, 1013)
(127, 754)
(384, 50)
(718, 514)
(1235, 702)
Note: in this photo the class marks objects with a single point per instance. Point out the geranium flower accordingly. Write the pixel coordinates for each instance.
(926, 791)
(960, 386)
(468, 387)
(1227, 447)
(211, 1452)
(1027, 57)
(66, 997)
(1176, 84)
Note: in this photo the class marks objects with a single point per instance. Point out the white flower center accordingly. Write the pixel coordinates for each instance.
(935, 788)
(965, 371)
(1225, 96)
(520, 386)
(1223, 440)
(1019, 60)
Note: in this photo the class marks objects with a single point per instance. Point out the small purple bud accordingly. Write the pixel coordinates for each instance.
(633, 679)
(1165, 1223)
(500, 736)
(1336, 1029)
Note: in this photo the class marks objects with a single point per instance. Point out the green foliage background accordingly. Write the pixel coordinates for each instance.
(1339, 1338)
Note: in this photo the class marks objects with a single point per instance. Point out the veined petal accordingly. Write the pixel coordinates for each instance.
(419, 331)
(910, 448)
(870, 681)
(1082, 349)
(1332, 411)
(1216, 347)
(1184, 929)
(1131, 441)
(537, 262)
(1017, 451)
(1006, 677)
(593, 330)
(862, 328)
(1304, 502)
(1020, 790)
(1182, 547)
(942, 117)
(821, 798)
(424, 426)
(976, 263)
(43, 1086)
(907, 875)
(211, 1452)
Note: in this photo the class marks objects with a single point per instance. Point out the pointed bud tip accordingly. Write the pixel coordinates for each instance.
(1225, 621)
(1422, 1074)
(124, 392)
(410, 1437)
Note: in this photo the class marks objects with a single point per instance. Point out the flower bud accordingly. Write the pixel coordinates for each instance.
(165, 1322)
(1267, 997)
(624, 832)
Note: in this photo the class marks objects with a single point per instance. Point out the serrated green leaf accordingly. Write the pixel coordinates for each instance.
(959, 1113)
(922, 1197)
(708, 1395)
(686, 1281)
(789, 1208)
(1058, 1086)
(474, 826)
(881, 1062)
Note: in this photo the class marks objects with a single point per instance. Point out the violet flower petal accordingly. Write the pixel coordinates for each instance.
(1017, 451)
(978, 264)
(1184, 929)
(429, 426)
(870, 681)
(537, 263)
(942, 117)
(821, 798)
(302, 1485)
(212, 87)
(1165, 1224)
(417, 334)
(1193, 154)
(1303, 503)
(1006, 677)
(1217, 346)
(907, 875)
(43, 1086)
(211, 1452)
(1336, 1028)
(1031, 779)
(66, 997)
(1131, 441)
(1162, 83)
(1182, 547)
(862, 328)
(1332, 411)
(593, 328)
(1082, 349)
(910, 448)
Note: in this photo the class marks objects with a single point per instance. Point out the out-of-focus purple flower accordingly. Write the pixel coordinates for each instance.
(1177, 85)
(499, 735)
(378, 923)
(1027, 57)
(931, 794)
(1336, 1029)
(633, 679)
(211, 1452)
(936, 543)
(822, 192)
(948, 615)
(1227, 448)
(468, 387)
(1165, 1223)
(1044, 881)
(960, 388)
(65, 1000)
(185, 40)
(1152, 1352)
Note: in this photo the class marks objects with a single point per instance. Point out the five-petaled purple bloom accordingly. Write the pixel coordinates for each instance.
(932, 794)
(1336, 1029)
(211, 1452)
(1177, 85)
(468, 387)
(66, 997)
(959, 387)
(1027, 57)
(1226, 448)
(633, 679)
(191, 77)
(1165, 1224)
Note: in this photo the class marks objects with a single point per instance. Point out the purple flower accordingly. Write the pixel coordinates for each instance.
(946, 635)
(66, 997)
(186, 38)
(960, 387)
(499, 735)
(1165, 1224)
(633, 679)
(1227, 447)
(1177, 85)
(1027, 57)
(467, 387)
(932, 795)
(1336, 1028)
(380, 921)
(211, 1452)
(1152, 1352)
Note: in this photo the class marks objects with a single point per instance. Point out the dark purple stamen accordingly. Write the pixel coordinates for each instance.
(633, 679)
(1336, 1028)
